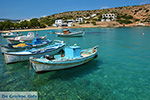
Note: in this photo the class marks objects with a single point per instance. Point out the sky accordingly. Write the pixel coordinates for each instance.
(26, 9)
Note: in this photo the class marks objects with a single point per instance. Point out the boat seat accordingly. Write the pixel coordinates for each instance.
(84, 55)
(49, 57)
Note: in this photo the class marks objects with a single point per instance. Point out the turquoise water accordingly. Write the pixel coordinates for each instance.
(120, 72)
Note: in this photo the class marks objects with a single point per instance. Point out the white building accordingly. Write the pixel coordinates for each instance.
(61, 22)
(79, 20)
(87, 17)
(70, 21)
(58, 22)
(108, 17)
(69, 24)
(140, 24)
(93, 15)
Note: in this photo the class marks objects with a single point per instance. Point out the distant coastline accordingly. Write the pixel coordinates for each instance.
(130, 16)
(112, 25)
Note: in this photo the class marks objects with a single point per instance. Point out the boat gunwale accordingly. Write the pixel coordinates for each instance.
(93, 53)
(72, 34)
(7, 53)
(62, 63)
(29, 46)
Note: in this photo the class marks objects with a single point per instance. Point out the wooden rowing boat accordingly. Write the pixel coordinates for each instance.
(11, 57)
(72, 57)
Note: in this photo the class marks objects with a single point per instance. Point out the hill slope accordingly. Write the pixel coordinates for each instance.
(139, 13)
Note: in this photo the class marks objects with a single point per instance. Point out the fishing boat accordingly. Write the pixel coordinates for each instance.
(10, 34)
(26, 38)
(12, 57)
(36, 43)
(67, 33)
(72, 56)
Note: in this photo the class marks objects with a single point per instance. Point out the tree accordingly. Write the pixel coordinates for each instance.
(17, 25)
(25, 24)
(47, 21)
(7, 25)
(42, 25)
(34, 23)
(1, 25)
(93, 22)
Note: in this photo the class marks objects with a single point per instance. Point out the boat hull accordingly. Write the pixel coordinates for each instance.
(75, 34)
(9, 36)
(12, 41)
(11, 58)
(44, 67)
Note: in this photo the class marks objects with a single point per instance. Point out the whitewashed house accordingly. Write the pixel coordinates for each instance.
(24, 20)
(70, 21)
(58, 22)
(108, 17)
(70, 24)
(79, 20)
(93, 15)
(87, 17)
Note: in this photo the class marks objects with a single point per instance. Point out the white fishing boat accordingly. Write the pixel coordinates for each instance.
(10, 34)
(26, 38)
(73, 56)
(67, 33)
(11, 57)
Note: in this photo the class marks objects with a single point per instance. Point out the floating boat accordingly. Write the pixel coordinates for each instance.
(11, 57)
(36, 43)
(26, 38)
(72, 57)
(9, 35)
(67, 33)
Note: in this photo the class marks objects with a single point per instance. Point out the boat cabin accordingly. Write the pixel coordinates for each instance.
(66, 31)
(70, 52)
(73, 51)
(36, 41)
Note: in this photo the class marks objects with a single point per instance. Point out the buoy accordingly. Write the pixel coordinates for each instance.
(142, 33)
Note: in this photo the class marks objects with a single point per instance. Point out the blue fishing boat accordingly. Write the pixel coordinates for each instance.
(11, 57)
(36, 43)
(72, 56)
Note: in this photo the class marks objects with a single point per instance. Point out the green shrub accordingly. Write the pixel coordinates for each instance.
(137, 20)
(94, 23)
(124, 21)
(125, 16)
(87, 22)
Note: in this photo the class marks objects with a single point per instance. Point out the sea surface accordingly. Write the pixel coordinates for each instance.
(120, 72)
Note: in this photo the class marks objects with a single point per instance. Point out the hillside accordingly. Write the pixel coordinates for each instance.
(139, 13)
(124, 16)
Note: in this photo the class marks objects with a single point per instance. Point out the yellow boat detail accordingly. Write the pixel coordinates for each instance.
(20, 45)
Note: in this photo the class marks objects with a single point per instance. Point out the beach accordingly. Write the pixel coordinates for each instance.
(98, 24)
